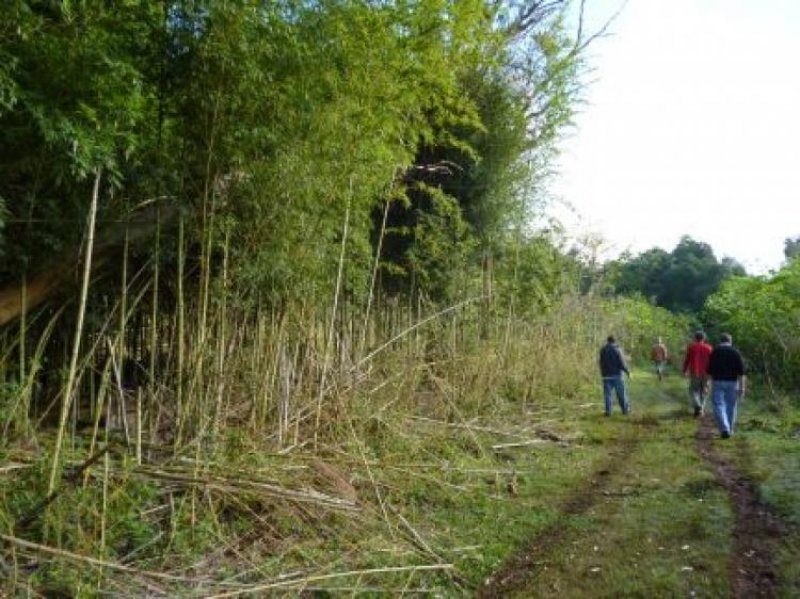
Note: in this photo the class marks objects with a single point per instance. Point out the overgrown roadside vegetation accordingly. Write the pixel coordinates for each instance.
(447, 456)
(443, 454)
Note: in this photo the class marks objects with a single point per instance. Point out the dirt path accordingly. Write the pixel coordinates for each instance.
(518, 570)
(686, 512)
(757, 530)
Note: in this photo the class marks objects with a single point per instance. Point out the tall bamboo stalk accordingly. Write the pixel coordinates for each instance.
(373, 279)
(155, 351)
(207, 232)
(331, 329)
(221, 350)
(76, 345)
(24, 397)
(23, 321)
(123, 318)
(181, 336)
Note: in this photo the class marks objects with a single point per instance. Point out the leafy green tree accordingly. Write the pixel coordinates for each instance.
(763, 315)
(74, 102)
(680, 280)
(791, 248)
(493, 164)
(533, 272)
(643, 274)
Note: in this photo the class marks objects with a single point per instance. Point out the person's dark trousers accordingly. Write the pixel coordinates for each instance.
(617, 385)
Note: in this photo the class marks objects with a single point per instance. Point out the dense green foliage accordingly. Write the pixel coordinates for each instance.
(763, 315)
(640, 324)
(266, 126)
(296, 198)
(679, 280)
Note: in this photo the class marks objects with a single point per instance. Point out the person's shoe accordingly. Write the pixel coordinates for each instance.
(697, 412)
(725, 435)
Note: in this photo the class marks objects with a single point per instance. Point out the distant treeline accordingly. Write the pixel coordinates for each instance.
(679, 280)
(762, 312)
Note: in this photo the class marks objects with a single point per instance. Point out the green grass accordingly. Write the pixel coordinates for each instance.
(661, 524)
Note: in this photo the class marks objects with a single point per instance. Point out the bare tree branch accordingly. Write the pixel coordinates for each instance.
(580, 43)
(529, 14)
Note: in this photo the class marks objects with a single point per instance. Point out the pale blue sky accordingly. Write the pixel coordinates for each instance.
(691, 126)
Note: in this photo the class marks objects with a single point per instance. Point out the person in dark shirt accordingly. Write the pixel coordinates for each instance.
(612, 365)
(726, 369)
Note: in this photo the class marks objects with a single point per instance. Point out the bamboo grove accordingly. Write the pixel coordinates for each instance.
(177, 178)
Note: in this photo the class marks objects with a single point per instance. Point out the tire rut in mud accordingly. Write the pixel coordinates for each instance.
(521, 567)
(757, 529)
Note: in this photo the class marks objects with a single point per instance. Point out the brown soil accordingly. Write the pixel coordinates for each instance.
(517, 571)
(757, 530)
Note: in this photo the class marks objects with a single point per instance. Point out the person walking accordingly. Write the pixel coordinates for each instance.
(695, 365)
(726, 369)
(612, 365)
(659, 356)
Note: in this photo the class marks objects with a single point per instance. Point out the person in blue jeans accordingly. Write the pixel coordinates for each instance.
(612, 365)
(726, 369)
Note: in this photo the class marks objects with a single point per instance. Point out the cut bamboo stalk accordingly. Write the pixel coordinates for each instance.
(61, 553)
(227, 484)
(527, 443)
(375, 488)
(304, 582)
(484, 429)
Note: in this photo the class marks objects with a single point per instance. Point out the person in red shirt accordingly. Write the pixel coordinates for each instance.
(694, 366)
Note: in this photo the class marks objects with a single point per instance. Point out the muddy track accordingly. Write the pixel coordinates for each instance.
(521, 567)
(757, 529)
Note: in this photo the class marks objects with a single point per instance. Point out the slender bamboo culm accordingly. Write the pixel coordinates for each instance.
(76, 346)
